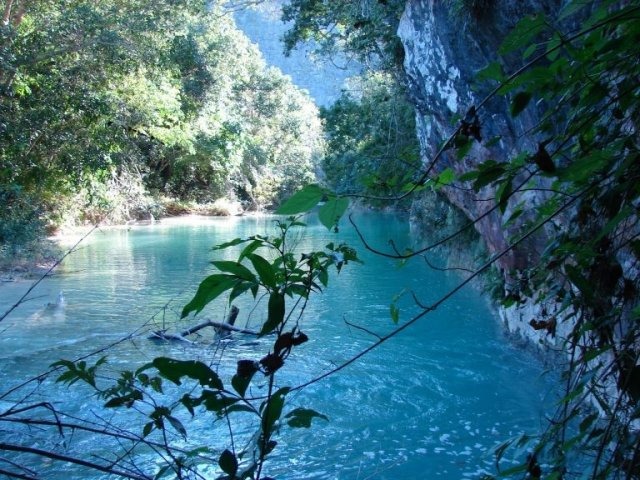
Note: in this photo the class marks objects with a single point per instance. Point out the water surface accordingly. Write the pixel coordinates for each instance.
(430, 403)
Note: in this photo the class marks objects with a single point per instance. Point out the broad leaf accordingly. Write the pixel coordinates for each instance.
(236, 269)
(232, 243)
(272, 410)
(264, 269)
(301, 417)
(174, 370)
(276, 313)
(177, 425)
(302, 201)
(240, 384)
(228, 463)
(493, 71)
(331, 212)
(520, 102)
(210, 289)
(249, 249)
(446, 177)
(523, 33)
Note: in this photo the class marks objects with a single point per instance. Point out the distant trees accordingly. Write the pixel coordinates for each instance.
(104, 106)
(371, 138)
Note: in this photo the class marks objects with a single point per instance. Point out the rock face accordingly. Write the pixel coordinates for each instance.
(442, 58)
(321, 78)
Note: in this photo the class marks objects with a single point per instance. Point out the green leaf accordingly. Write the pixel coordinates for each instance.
(446, 177)
(323, 276)
(572, 8)
(395, 313)
(523, 33)
(275, 314)
(577, 278)
(503, 192)
(587, 422)
(240, 384)
(177, 425)
(272, 410)
(626, 212)
(301, 417)
(302, 201)
(530, 50)
(463, 146)
(236, 269)
(584, 168)
(239, 289)
(174, 370)
(632, 384)
(331, 212)
(552, 47)
(493, 71)
(210, 289)
(148, 428)
(249, 249)
(520, 102)
(489, 172)
(127, 400)
(216, 402)
(228, 463)
(232, 243)
(264, 269)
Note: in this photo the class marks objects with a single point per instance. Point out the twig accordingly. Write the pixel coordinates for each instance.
(66, 458)
(366, 330)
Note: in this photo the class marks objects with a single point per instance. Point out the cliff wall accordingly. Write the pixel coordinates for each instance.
(443, 55)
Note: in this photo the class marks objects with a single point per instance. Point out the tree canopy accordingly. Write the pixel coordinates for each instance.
(109, 106)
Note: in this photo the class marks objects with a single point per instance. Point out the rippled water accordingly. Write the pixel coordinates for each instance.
(430, 403)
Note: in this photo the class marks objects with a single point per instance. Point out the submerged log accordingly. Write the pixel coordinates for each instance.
(222, 329)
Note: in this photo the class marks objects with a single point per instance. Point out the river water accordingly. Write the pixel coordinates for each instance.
(432, 402)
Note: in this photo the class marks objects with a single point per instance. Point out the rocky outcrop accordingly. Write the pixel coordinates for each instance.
(442, 58)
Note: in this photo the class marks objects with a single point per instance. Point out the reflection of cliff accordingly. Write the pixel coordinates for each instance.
(320, 77)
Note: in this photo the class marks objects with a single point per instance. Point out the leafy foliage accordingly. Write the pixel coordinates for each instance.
(366, 29)
(371, 132)
(105, 104)
(585, 279)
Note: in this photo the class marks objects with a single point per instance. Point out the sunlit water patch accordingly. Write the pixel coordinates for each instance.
(430, 403)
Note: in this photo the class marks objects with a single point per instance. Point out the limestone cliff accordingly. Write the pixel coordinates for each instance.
(442, 57)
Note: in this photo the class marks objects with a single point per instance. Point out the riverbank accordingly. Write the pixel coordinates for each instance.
(35, 260)
(31, 262)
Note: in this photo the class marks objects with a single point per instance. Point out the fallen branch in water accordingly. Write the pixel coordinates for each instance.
(222, 329)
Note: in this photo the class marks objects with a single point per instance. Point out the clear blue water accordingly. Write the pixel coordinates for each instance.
(430, 403)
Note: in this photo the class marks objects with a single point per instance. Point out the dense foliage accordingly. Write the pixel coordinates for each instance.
(107, 106)
(370, 132)
(364, 30)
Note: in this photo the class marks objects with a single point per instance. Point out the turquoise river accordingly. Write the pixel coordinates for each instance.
(431, 403)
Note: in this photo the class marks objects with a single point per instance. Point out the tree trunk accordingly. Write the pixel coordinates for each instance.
(6, 16)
